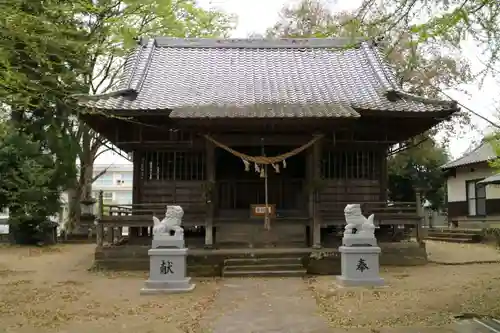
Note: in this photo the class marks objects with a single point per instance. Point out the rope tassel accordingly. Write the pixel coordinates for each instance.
(247, 165)
(284, 164)
(257, 168)
(276, 167)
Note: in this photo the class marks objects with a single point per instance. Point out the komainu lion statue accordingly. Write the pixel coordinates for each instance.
(171, 223)
(355, 220)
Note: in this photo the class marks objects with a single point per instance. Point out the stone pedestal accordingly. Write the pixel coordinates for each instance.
(167, 241)
(358, 240)
(167, 272)
(360, 266)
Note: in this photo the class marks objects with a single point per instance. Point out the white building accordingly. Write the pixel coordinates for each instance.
(473, 195)
(116, 183)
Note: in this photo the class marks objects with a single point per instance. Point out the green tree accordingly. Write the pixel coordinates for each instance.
(419, 64)
(444, 23)
(43, 51)
(418, 167)
(114, 26)
(29, 185)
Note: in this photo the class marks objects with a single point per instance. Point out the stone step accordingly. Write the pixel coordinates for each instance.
(262, 261)
(259, 273)
(451, 240)
(456, 230)
(264, 267)
(453, 235)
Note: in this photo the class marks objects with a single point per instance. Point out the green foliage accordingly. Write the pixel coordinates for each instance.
(421, 66)
(494, 140)
(115, 26)
(418, 167)
(29, 184)
(54, 50)
(492, 235)
(42, 56)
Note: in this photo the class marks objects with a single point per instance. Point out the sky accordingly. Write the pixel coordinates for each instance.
(255, 16)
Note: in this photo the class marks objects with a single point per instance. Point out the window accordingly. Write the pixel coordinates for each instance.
(106, 179)
(351, 164)
(124, 198)
(173, 166)
(107, 196)
(127, 177)
(476, 198)
(123, 178)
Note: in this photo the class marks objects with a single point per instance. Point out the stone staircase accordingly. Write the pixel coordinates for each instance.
(263, 266)
(454, 235)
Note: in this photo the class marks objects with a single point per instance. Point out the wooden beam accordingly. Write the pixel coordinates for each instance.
(383, 176)
(311, 193)
(100, 227)
(252, 139)
(137, 182)
(209, 190)
(316, 169)
(419, 229)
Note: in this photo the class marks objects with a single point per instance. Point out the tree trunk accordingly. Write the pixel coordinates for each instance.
(74, 210)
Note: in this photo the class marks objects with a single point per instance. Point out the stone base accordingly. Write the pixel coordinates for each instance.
(167, 272)
(360, 266)
(358, 240)
(167, 287)
(346, 282)
(167, 243)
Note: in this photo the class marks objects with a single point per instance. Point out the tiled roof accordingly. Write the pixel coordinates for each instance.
(495, 179)
(260, 78)
(482, 153)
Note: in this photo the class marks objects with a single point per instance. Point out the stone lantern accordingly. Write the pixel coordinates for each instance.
(87, 209)
(87, 216)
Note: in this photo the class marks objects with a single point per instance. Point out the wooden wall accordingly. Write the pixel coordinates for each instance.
(350, 176)
(349, 173)
(251, 232)
(172, 177)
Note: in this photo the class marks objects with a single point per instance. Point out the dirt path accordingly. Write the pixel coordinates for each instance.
(265, 306)
(50, 290)
(455, 253)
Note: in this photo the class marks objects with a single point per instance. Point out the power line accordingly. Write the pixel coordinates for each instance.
(466, 107)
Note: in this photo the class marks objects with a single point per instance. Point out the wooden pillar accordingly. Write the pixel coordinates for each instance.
(419, 229)
(210, 195)
(383, 175)
(99, 226)
(310, 200)
(133, 232)
(316, 176)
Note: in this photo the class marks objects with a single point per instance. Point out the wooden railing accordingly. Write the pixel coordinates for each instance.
(113, 218)
(385, 213)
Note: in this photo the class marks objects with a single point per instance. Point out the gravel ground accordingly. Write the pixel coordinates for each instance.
(418, 296)
(460, 253)
(50, 290)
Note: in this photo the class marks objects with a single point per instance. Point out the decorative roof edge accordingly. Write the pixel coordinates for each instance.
(132, 93)
(394, 94)
(258, 43)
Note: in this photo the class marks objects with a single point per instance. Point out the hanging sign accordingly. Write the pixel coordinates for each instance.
(259, 210)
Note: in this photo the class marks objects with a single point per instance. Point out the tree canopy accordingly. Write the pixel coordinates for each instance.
(54, 50)
(421, 67)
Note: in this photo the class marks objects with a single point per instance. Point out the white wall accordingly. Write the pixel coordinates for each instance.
(456, 185)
